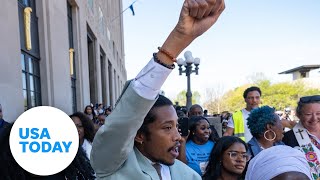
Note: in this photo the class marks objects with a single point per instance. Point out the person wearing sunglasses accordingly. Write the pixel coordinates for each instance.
(266, 129)
(305, 135)
(228, 159)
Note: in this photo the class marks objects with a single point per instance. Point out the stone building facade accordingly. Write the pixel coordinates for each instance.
(66, 54)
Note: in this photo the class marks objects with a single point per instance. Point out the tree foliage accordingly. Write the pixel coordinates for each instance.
(234, 98)
(182, 99)
(277, 95)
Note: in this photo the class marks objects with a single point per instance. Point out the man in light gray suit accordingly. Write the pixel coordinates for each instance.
(140, 140)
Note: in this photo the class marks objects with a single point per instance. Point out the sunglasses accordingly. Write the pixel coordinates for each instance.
(309, 99)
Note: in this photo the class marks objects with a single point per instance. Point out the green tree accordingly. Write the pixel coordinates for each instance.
(277, 95)
(182, 99)
(286, 94)
(234, 98)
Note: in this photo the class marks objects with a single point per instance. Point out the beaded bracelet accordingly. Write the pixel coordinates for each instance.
(167, 54)
(157, 60)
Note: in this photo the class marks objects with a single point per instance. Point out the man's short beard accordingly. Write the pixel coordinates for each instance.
(162, 162)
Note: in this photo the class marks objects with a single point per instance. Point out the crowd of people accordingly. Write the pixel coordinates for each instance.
(141, 138)
(266, 129)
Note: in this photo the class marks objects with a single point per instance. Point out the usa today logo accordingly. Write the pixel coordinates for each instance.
(44, 140)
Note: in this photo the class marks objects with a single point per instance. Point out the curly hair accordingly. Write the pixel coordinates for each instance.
(259, 118)
(87, 125)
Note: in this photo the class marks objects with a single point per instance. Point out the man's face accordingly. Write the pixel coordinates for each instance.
(102, 119)
(161, 145)
(252, 100)
(196, 112)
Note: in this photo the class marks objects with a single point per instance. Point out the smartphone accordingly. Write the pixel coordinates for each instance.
(183, 125)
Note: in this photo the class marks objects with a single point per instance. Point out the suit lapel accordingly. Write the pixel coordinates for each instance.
(145, 165)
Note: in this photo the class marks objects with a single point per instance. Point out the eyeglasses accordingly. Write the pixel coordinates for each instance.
(234, 156)
(309, 99)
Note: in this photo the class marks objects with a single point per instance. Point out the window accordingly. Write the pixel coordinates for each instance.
(30, 81)
(30, 59)
(103, 76)
(303, 74)
(115, 84)
(25, 2)
(90, 4)
(111, 91)
(92, 66)
(73, 75)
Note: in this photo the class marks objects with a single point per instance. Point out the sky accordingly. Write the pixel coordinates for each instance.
(251, 36)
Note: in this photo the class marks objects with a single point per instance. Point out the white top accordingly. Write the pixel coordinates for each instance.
(148, 84)
(247, 133)
(87, 146)
(150, 79)
(165, 171)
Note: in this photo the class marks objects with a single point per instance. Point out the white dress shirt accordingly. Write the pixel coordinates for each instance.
(150, 79)
(148, 84)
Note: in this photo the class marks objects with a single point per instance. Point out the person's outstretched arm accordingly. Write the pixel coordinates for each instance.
(196, 17)
(114, 141)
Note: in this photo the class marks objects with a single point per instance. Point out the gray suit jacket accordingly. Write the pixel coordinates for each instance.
(113, 155)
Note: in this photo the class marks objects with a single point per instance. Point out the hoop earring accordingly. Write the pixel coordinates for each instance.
(274, 137)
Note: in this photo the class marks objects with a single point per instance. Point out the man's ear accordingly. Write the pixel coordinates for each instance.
(140, 137)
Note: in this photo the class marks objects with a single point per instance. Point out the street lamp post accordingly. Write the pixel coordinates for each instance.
(188, 70)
